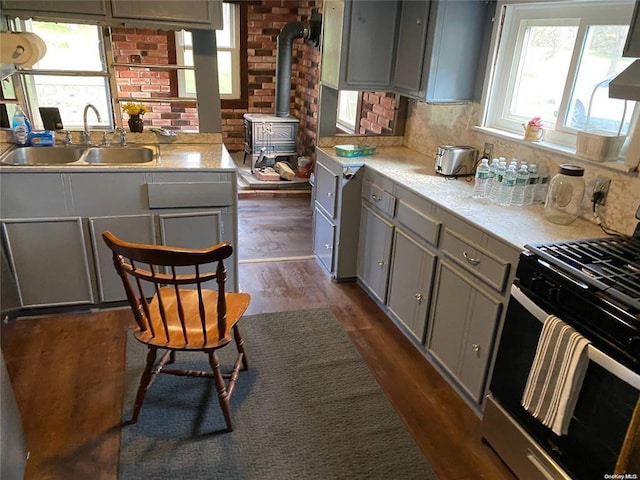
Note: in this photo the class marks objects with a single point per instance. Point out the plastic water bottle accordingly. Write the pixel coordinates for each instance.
(492, 176)
(482, 179)
(532, 184)
(21, 127)
(522, 178)
(496, 191)
(543, 184)
(508, 185)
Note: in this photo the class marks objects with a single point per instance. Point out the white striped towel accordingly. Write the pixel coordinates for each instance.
(556, 375)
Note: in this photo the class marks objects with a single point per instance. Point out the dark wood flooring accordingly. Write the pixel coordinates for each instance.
(67, 372)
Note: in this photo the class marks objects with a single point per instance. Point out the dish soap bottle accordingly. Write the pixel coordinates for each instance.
(21, 127)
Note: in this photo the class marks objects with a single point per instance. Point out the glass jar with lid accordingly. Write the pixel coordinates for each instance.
(564, 197)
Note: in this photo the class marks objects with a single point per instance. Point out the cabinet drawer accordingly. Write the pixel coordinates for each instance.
(189, 194)
(323, 239)
(473, 259)
(326, 189)
(376, 196)
(423, 225)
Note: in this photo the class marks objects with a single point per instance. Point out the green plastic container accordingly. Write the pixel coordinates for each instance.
(354, 150)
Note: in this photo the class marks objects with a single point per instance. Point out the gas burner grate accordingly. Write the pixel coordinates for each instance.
(609, 264)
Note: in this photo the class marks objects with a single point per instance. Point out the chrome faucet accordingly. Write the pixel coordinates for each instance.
(86, 135)
(123, 136)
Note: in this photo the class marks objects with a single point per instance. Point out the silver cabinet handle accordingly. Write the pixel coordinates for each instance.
(475, 347)
(327, 246)
(419, 297)
(381, 263)
(472, 261)
(329, 194)
(375, 198)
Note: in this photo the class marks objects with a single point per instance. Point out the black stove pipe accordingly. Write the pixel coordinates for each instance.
(287, 35)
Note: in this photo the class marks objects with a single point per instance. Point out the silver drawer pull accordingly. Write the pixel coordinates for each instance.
(419, 297)
(537, 463)
(472, 261)
(375, 198)
(327, 246)
(329, 194)
(381, 263)
(475, 347)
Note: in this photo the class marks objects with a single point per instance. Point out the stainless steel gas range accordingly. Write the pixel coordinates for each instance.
(592, 286)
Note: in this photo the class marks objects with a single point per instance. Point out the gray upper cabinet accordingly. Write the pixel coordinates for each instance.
(359, 44)
(200, 13)
(68, 8)
(178, 14)
(632, 46)
(442, 49)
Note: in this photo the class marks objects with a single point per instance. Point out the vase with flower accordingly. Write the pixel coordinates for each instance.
(135, 111)
(533, 131)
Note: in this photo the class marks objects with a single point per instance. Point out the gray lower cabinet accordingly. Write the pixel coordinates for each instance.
(323, 239)
(462, 328)
(374, 252)
(410, 282)
(132, 228)
(50, 261)
(336, 215)
(52, 224)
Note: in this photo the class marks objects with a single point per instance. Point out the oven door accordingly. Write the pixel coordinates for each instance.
(605, 406)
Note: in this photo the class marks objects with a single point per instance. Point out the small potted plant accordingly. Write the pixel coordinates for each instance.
(135, 112)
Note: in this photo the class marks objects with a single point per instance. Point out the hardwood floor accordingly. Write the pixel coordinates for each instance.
(67, 373)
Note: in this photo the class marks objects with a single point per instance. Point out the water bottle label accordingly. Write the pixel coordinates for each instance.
(533, 180)
(482, 175)
(521, 181)
(509, 182)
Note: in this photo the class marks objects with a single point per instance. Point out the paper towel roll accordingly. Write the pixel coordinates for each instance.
(21, 48)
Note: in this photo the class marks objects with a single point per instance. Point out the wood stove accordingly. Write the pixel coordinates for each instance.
(267, 137)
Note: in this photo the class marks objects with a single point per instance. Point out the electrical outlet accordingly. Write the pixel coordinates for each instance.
(601, 185)
(488, 151)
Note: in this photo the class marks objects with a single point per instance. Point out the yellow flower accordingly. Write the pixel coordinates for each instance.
(135, 108)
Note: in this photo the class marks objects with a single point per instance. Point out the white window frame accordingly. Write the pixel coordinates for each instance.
(506, 42)
(342, 122)
(25, 90)
(184, 43)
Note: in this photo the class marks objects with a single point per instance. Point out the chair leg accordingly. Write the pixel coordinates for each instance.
(240, 346)
(145, 380)
(223, 396)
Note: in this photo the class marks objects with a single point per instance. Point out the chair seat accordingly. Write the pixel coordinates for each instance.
(237, 303)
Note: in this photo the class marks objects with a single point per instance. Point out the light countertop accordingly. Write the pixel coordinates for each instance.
(178, 155)
(517, 226)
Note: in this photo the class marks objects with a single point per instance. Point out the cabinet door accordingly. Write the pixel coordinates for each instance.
(49, 260)
(414, 18)
(323, 239)
(410, 283)
(72, 7)
(207, 12)
(132, 228)
(455, 49)
(332, 43)
(367, 62)
(194, 230)
(374, 252)
(326, 189)
(462, 329)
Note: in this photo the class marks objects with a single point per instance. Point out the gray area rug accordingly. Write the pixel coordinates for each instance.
(307, 408)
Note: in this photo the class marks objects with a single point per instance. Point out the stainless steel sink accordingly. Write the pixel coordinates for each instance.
(42, 155)
(82, 155)
(121, 155)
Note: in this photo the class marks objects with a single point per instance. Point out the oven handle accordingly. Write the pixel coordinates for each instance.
(623, 373)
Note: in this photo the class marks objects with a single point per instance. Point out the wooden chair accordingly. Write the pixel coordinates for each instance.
(175, 312)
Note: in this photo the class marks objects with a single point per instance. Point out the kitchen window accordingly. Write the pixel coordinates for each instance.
(555, 61)
(72, 74)
(348, 103)
(228, 49)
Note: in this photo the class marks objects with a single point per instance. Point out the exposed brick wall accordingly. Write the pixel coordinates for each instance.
(264, 21)
(152, 46)
(378, 111)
